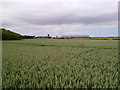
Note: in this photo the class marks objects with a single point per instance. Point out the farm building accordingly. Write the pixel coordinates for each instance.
(48, 36)
(76, 37)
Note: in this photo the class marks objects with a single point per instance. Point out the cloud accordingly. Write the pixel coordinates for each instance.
(71, 19)
(59, 17)
(57, 0)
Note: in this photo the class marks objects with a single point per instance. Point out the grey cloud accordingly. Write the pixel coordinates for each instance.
(71, 19)
(58, 17)
(60, 13)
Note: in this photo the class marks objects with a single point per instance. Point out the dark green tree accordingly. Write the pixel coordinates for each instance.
(9, 35)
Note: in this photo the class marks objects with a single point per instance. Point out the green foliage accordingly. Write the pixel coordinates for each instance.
(27, 37)
(105, 38)
(51, 63)
(0, 64)
(9, 35)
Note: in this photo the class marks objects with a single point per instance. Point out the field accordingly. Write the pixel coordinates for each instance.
(52, 63)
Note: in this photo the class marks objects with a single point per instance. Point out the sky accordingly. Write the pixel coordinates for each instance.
(60, 17)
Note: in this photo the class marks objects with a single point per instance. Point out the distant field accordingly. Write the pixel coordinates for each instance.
(40, 63)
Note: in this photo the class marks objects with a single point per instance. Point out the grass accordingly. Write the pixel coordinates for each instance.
(52, 63)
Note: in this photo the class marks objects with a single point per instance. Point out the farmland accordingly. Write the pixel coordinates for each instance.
(52, 63)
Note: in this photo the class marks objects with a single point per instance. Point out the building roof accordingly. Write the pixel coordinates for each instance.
(75, 36)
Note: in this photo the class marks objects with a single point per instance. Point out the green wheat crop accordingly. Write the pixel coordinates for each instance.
(52, 63)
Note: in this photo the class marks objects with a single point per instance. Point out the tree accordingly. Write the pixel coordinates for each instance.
(9, 35)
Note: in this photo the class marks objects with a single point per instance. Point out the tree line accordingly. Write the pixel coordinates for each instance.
(9, 35)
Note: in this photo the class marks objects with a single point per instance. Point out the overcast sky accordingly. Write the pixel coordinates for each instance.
(61, 17)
